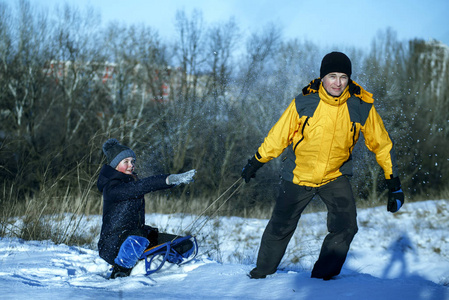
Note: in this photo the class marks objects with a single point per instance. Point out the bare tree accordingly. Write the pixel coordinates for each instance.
(222, 40)
(190, 51)
(428, 103)
(259, 49)
(76, 65)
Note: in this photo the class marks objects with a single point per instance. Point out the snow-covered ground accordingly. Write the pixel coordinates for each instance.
(393, 256)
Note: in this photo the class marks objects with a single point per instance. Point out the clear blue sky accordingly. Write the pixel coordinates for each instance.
(327, 23)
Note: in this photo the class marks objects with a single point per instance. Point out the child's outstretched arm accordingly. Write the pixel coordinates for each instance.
(176, 179)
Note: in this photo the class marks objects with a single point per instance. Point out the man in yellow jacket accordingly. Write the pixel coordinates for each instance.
(318, 132)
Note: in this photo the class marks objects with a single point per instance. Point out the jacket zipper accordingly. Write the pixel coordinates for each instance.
(302, 133)
(353, 137)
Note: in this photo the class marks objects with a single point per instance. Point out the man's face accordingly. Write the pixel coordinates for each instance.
(126, 165)
(335, 83)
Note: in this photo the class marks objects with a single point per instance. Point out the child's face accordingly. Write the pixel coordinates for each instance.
(126, 165)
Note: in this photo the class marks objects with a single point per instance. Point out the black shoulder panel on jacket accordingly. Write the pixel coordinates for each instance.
(306, 105)
(358, 110)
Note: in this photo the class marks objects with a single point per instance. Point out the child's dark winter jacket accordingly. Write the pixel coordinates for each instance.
(123, 207)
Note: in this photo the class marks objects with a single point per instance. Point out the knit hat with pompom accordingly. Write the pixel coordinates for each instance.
(115, 152)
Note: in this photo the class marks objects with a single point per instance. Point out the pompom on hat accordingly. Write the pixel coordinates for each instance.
(115, 152)
(335, 62)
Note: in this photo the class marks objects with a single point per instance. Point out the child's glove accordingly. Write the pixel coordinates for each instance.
(176, 179)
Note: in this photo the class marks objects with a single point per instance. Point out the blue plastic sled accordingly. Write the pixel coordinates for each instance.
(156, 256)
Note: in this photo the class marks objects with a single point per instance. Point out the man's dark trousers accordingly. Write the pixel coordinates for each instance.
(291, 202)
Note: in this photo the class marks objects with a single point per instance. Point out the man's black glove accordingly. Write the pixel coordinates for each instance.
(395, 195)
(249, 171)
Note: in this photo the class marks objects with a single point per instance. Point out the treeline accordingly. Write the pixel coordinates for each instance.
(204, 100)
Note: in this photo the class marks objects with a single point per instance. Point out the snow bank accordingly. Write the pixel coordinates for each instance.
(400, 256)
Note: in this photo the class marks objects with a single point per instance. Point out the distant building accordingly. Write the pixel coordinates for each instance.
(107, 73)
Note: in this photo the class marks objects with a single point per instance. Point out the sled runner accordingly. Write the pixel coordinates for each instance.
(174, 252)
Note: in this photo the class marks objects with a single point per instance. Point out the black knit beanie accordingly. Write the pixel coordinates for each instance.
(335, 62)
(115, 152)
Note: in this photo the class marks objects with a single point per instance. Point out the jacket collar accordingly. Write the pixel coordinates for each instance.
(356, 90)
(335, 101)
(108, 173)
(353, 87)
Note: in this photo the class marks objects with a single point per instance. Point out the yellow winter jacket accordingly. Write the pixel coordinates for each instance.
(321, 131)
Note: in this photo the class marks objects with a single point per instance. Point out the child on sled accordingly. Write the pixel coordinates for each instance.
(124, 236)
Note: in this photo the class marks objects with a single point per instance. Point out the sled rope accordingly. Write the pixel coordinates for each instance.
(168, 250)
(224, 202)
(190, 226)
